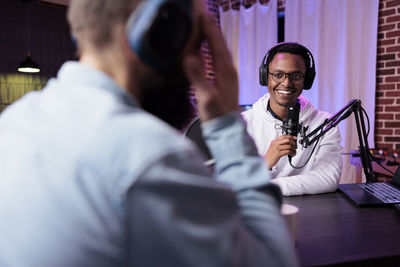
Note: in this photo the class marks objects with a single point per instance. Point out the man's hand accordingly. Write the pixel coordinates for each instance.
(279, 147)
(217, 99)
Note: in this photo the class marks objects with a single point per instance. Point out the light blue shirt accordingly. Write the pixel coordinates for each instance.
(90, 179)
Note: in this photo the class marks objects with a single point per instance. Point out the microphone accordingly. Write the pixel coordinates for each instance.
(291, 124)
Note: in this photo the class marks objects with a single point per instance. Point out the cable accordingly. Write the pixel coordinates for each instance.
(376, 160)
(366, 115)
(369, 151)
(312, 152)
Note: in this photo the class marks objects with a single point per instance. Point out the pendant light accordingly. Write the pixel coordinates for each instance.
(28, 65)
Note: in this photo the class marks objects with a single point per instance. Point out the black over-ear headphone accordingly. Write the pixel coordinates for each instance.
(158, 30)
(292, 48)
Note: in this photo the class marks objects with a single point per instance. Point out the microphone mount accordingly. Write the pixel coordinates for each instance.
(354, 106)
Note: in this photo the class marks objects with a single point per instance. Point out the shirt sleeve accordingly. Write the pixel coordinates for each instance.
(178, 215)
(324, 176)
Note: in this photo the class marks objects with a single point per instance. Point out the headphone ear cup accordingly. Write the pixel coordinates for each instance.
(307, 85)
(263, 73)
(158, 31)
(309, 79)
(310, 74)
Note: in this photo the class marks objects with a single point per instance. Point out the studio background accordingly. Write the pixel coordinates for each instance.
(362, 21)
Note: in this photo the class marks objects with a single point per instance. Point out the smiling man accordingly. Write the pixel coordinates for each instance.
(287, 69)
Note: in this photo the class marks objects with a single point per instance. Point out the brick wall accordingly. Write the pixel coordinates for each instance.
(387, 114)
(213, 8)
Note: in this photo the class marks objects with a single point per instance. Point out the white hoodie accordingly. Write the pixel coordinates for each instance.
(322, 173)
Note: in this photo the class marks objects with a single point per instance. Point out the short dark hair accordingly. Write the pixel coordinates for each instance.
(291, 48)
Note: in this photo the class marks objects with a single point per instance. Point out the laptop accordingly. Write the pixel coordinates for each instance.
(374, 194)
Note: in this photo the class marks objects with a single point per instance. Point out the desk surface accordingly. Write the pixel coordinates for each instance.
(331, 229)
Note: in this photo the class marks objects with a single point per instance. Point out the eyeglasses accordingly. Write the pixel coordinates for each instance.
(280, 76)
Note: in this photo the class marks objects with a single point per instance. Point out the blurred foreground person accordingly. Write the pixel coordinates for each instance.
(91, 178)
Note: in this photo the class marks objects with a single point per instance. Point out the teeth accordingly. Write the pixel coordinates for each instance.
(284, 92)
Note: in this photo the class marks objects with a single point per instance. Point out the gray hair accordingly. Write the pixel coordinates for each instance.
(94, 20)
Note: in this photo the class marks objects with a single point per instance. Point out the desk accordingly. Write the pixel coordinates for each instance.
(331, 229)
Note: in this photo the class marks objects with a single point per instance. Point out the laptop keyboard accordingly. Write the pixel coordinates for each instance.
(382, 191)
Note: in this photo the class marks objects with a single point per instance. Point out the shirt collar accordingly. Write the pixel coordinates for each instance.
(276, 116)
(273, 113)
(76, 72)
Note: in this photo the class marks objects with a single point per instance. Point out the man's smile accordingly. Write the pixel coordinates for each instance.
(285, 92)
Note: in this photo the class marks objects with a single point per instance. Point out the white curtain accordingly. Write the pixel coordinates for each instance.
(249, 34)
(342, 36)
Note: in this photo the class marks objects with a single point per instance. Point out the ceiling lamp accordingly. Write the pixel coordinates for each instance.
(28, 65)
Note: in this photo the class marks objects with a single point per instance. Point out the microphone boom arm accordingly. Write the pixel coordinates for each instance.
(354, 106)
